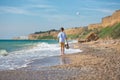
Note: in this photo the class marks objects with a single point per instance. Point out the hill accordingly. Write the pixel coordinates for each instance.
(72, 33)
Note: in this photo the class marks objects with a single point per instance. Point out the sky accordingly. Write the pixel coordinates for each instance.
(23, 17)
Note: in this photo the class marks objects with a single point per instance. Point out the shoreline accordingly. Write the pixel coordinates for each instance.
(98, 61)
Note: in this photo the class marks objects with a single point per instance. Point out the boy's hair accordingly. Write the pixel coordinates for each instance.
(62, 29)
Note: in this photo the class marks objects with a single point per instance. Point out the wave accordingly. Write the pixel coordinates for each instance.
(3, 52)
(45, 49)
(21, 58)
(73, 41)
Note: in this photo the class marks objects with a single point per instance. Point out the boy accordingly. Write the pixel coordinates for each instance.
(61, 38)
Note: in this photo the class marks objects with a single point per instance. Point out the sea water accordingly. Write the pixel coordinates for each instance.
(16, 54)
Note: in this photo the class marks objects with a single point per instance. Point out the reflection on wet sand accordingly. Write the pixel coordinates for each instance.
(64, 60)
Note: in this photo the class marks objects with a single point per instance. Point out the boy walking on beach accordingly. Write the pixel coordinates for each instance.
(61, 38)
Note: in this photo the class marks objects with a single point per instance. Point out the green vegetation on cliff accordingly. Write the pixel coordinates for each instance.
(107, 32)
(46, 37)
(73, 36)
(110, 32)
(40, 32)
(84, 34)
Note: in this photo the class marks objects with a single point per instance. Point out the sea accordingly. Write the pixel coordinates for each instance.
(15, 54)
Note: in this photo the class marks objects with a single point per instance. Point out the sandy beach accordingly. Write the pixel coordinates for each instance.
(100, 60)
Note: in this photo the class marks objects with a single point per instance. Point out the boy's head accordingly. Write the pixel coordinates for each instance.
(62, 29)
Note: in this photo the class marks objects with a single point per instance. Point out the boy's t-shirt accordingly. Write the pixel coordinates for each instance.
(62, 37)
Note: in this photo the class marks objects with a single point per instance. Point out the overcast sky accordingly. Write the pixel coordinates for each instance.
(23, 17)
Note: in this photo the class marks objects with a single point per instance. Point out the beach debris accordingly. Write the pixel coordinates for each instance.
(90, 37)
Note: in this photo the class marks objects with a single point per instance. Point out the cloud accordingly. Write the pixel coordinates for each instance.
(105, 2)
(108, 3)
(13, 10)
(27, 9)
(104, 10)
(112, 3)
(99, 10)
(40, 6)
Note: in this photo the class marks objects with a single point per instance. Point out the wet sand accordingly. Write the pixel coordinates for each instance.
(100, 60)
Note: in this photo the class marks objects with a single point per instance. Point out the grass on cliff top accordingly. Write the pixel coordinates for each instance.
(73, 36)
(113, 32)
(46, 37)
(84, 34)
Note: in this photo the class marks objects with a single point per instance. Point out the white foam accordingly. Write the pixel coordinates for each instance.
(73, 41)
(3, 52)
(22, 58)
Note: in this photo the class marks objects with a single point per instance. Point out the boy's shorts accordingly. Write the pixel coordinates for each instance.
(62, 44)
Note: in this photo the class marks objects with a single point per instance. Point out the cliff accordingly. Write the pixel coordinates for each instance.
(107, 21)
(71, 31)
(94, 26)
(111, 20)
(40, 35)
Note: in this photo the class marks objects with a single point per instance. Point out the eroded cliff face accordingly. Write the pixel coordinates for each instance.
(74, 31)
(111, 20)
(107, 21)
(94, 26)
(36, 36)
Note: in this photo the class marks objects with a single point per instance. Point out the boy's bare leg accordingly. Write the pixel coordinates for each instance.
(62, 51)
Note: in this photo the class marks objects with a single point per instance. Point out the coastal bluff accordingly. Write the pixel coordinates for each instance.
(41, 34)
(106, 21)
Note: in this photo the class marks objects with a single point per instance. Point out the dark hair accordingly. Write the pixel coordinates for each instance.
(62, 29)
